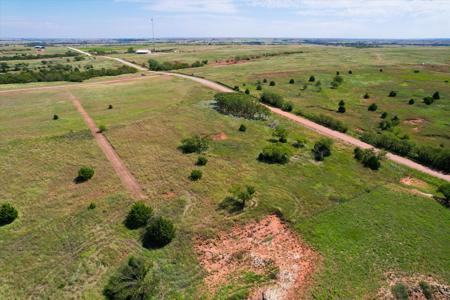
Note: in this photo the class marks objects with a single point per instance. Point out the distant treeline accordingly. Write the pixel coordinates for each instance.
(62, 73)
(437, 158)
(39, 56)
(256, 56)
(325, 120)
(155, 65)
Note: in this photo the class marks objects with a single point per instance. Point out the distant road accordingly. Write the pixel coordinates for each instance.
(80, 51)
(304, 122)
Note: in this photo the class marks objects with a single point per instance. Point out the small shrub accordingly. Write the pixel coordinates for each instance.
(135, 280)
(445, 190)
(281, 133)
(411, 101)
(416, 71)
(236, 88)
(436, 96)
(338, 73)
(392, 94)
(272, 83)
(55, 117)
(7, 214)
(400, 291)
(194, 144)
(258, 87)
(350, 72)
(247, 91)
(92, 206)
(287, 106)
(312, 79)
(426, 290)
(369, 158)
(110, 106)
(299, 143)
(138, 216)
(85, 173)
(366, 96)
(264, 80)
(159, 232)
(385, 125)
(201, 161)
(384, 115)
(196, 175)
(240, 196)
(292, 81)
(322, 149)
(242, 128)
(395, 121)
(274, 154)
(381, 70)
(373, 107)
(341, 109)
(428, 100)
(102, 128)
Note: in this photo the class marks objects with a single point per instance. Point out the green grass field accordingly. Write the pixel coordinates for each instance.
(362, 223)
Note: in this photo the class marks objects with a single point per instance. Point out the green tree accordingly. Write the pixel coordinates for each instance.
(242, 128)
(411, 101)
(194, 144)
(312, 78)
(7, 214)
(85, 173)
(138, 216)
(196, 175)
(322, 149)
(436, 96)
(201, 161)
(159, 233)
(373, 107)
(292, 81)
(281, 133)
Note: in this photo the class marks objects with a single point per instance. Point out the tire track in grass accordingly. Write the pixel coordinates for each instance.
(127, 179)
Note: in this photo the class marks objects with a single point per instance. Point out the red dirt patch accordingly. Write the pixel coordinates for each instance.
(414, 122)
(219, 136)
(256, 246)
(222, 63)
(411, 181)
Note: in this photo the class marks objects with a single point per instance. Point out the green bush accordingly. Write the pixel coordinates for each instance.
(272, 99)
(312, 79)
(264, 80)
(247, 91)
(133, 281)
(426, 290)
(240, 105)
(272, 83)
(138, 216)
(281, 134)
(372, 107)
(287, 106)
(445, 190)
(436, 96)
(85, 173)
(384, 115)
(400, 291)
(7, 214)
(322, 149)
(201, 161)
(194, 144)
(392, 94)
(428, 100)
(196, 175)
(292, 81)
(110, 106)
(411, 101)
(274, 154)
(159, 233)
(341, 107)
(92, 205)
(238, 200)
(102, 128)
(55, 117)
(368, 158)
(350, 72)
(388, 141)
(242, 128)
(366, 96)
(258, 87)
(299, 143)
(326, 121)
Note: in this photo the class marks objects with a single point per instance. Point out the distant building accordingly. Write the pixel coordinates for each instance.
(39, 47)
(143, 51)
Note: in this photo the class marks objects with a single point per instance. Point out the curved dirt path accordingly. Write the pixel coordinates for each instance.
(306, 123)
(127, 179)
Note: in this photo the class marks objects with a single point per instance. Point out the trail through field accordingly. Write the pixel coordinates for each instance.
(127, 179)
(88, 84)
(308, 124)
(80, 51)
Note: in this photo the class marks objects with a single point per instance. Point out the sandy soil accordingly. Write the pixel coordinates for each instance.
(127, 179)
(221, 136)
(257, 246)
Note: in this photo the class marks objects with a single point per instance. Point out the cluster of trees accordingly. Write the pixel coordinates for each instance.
(326, 121)
(62, 73)
(38, 56)
(101, 51)
(438, 158)
(368, 157)
(275, 154)
(155, 65)
(276, 100)
(256, 56)
(322, 149)
(430, 99)
(241, 105)
(193, 144)
(388, 124)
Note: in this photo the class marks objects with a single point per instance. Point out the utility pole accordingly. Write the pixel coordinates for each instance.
(153, 35)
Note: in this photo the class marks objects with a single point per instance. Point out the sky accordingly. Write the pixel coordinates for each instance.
(225, 18)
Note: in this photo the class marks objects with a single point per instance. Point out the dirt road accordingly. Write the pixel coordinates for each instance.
(309, 124)
(80, 51)
(127, 179)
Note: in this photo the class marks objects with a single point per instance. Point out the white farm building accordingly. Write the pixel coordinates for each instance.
(143, 51)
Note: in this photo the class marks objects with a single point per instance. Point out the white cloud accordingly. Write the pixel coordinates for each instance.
(188, 6)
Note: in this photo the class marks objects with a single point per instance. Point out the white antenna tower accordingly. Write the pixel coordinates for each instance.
(153, 34)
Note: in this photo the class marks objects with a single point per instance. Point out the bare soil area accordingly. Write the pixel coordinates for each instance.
(254, 247)
(221, 136)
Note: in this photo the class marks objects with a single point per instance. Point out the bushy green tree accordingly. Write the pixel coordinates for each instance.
(281, 133)
(411, 101)
(312, 78)
(287, 106)
(322, 149)
(240, 105)
(242, 128)
(272, 83)
(159, 232)
(368, 157)
(373, 107)
(196, 175)
(436, 96)
(85, 173)
(134, 281)
(138, 216)
(392, 94)
(193, 144)
(292, 81)
(55, 117)
(384, 115)
(366, 96)
(428, 100)
(201, 161)
(274, 154)
(7, 214)
(341, 107)
(445, 190)
(272, 99)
